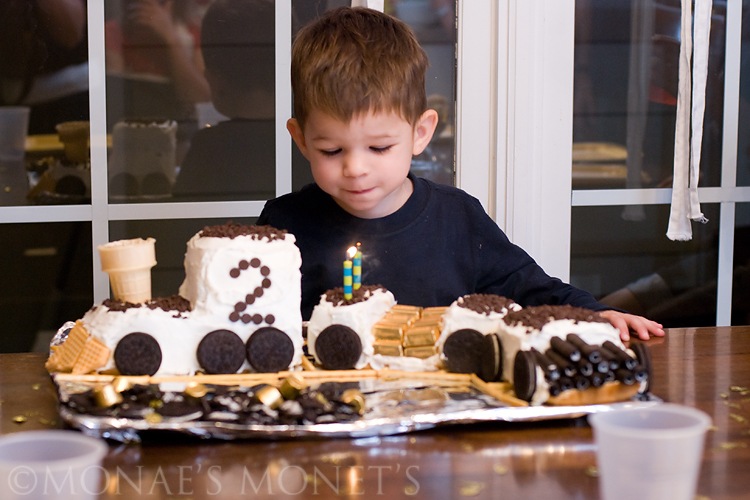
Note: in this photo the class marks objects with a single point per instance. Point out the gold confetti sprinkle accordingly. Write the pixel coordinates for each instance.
(733, 405)
(592, 471)
(36, 387)
(153, 418)
(19, 419)
(46, 421)
(471, 488)
(738, 388)
(732, 445)
(467, 448)
(723, 395)
(411, 490)
(738, 418)
(500, 469)
(713, 428)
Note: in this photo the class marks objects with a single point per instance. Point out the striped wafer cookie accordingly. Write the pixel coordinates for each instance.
(94, 355)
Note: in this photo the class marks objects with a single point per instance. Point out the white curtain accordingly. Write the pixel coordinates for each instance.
(691, 103)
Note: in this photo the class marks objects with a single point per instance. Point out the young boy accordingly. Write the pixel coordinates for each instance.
(360, 116)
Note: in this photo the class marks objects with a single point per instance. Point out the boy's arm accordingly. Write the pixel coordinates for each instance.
(644, 328)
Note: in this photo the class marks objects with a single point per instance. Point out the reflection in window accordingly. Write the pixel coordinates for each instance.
(636, 268)
(49, 267)
(44, 74)
(626, 71)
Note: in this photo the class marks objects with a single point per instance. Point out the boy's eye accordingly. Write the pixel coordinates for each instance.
(380, 149)
(330, 152)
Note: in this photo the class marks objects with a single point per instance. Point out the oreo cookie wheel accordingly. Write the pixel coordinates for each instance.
(138, 353)
(338, 347)
(268, 349)
(524, 375)
(221, 351)
(463, 351)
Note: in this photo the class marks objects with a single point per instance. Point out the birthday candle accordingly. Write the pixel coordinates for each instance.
(357, 267)
(347, 279)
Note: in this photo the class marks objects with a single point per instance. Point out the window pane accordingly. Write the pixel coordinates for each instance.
(741, 275)
(632, 264)
(743, 146)
(434, 23)
(191, 100)
(47, 270)
(626, 72)
(44, 68)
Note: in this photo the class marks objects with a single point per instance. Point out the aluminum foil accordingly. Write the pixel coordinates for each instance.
(392, 407)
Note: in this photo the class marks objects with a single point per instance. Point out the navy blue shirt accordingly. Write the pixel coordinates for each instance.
(439, 246)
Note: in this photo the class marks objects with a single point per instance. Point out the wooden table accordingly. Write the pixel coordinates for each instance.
(708, 368)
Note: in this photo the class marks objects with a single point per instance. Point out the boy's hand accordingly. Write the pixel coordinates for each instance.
(643, 328)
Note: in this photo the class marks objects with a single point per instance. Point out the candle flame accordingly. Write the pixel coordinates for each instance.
(351, 252)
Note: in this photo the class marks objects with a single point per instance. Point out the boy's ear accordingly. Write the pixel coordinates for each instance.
(423, 130)
(295, 130)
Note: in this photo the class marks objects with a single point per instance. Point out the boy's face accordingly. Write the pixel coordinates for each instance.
(363, 163)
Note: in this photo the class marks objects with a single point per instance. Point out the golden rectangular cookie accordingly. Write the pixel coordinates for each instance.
(386, 330)
(421, 336)
(388, 348)
(420, 351)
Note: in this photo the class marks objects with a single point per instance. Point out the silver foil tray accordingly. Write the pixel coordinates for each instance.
(393, 406)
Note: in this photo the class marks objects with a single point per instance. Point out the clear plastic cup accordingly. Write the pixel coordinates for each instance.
(53, 464)
(649, 453)
(14, 127)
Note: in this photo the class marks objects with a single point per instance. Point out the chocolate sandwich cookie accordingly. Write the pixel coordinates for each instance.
(138, 353)
(269, 350)
(524, 375)
(463, 351)
(491, 359)
(643, 355)
(221, 351)
(338, 347)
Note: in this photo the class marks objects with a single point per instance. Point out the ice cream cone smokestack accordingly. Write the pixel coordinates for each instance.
(128, 264)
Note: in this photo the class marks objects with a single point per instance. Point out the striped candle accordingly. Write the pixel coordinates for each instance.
(347, 279)
(357, 268)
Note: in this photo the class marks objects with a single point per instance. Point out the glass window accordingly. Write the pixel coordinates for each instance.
(632, 265)
(46, 268)
(626, 72)
(191, 100)
(741, 274)
(44, 91)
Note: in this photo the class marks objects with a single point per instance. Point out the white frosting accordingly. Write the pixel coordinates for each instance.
(359, 316)
(519, 337)
(457, 317)
(213, 294)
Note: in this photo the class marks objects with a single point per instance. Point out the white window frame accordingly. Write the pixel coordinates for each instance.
(514, 112)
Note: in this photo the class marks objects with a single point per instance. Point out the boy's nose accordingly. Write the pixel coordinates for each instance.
(354, 165)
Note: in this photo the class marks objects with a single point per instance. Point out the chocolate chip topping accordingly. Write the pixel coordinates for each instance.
(232, 230)
(485, 303)
(336, 295)
(538, 316)
(169, 304)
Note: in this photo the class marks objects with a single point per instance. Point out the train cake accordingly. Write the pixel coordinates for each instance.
(238, 310)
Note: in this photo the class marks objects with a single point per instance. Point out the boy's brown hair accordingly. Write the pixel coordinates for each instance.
(356, 60)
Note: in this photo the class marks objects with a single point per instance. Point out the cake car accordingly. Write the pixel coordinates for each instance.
(556, 355)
